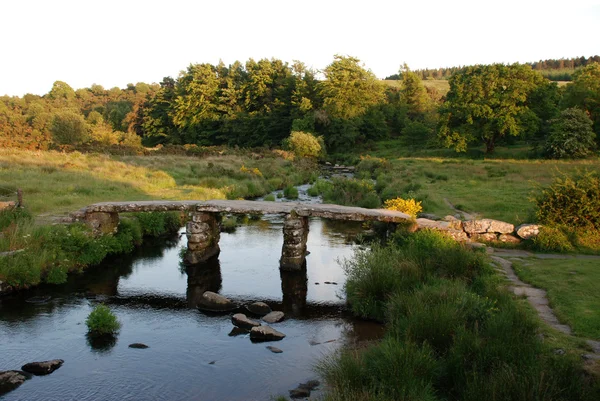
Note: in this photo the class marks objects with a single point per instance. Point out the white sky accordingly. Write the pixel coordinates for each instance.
(113, 43)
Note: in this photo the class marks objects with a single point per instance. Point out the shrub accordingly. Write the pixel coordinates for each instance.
(102, 321)
(290, 192)
(156, 224)
(372, 166)
(69, 128)
(352, 192)
(571, 201)
(303, 144)
(571, 136)
(270, 198)
(229, 224)
(16, 215)
(408, 206)
(552, 239)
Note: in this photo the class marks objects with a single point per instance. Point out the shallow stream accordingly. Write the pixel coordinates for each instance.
(191, 355)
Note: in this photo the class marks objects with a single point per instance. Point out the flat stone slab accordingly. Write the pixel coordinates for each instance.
(265, 333)
(326, 211)
(242, 321)
(274, 317)
(42, 368)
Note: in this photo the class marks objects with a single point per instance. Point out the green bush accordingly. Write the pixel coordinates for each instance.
(290, 192)
(571, 136)
(16, 215)
(229, 224)
(102, 321)
(270, 198)
(352, 192)
(571, 201)
(553, 239)
(156, 224)
(305, 145)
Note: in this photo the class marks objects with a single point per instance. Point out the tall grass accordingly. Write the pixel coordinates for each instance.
(453, 333)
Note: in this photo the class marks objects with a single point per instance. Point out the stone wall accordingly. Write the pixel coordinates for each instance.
(481, 230)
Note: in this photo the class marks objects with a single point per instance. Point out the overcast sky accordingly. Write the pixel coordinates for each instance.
(113, 43)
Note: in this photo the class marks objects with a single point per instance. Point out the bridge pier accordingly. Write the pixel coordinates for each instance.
(203, 237)
(295, 234)
(102, 222)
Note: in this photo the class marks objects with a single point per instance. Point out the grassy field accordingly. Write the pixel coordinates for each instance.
(572, 286)
(55, 182)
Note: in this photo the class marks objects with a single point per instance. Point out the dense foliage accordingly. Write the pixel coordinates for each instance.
(450, 334)
(571, 135)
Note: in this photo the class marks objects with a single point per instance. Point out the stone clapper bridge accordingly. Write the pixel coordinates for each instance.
(203, 229)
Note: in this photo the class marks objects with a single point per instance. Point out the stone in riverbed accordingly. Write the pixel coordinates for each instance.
(303, 390)
(138, 346)
(274, 317)
(237, 331)
(265, 333)
(214, 302)
(11, 379)
(259, 308)
(240, 320)
(42, 368)
(274, 350)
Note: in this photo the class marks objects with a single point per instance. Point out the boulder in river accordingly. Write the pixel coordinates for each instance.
(42, 368)
(11, 379)
(303, 390)
(265, 333)
(274, 317)
(238, 331)
(138, 346)
(274, 350)
(241, 320)
(214, 302)
(259, 308)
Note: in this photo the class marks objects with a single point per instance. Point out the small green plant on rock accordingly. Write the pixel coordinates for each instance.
(102, 321)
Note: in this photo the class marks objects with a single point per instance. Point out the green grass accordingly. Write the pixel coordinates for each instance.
(572, 286)
(54, 182)
(498, 189)
(453, 332)
(441, 85)
(102, 321)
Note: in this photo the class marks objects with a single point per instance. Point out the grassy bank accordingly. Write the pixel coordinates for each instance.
(55, 182)
(498, 189)
(572, 286)
(48, 253)
(453, 332)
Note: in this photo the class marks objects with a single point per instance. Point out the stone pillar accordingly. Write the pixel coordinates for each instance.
(295, 233)
(294, 286)
(203, 238)
(102, 222)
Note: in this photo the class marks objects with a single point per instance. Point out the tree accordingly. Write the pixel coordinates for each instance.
(584, 92)
(485, 103)
(69, 128)
(571, 135)
(413, 93)
(349, 89)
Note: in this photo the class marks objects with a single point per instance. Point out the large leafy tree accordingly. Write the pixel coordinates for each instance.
(584, 92)
(413, 93)
(349, 89)
(486, 103)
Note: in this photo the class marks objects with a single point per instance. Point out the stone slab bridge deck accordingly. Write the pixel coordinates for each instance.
(203, 229)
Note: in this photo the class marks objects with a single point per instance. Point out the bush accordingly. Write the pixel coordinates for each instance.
(270, 198)
(101, 321)
(290, 192)
(573, 202)
(552, 239)
(16, 215)
(69, 128)
(156, 224)
(305, 145)
(352, 192)
(571, 136)
(408, 206)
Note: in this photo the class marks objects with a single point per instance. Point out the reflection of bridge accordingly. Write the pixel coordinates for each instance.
(203, 229)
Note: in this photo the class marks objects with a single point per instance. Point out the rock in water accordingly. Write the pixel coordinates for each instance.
(138, 346)
(304, 389)
(240, 320)
(214, 302)
(11, 379)
(265, 333)
(42, 368)
(274, 350)
(259, 308)
(274, 317)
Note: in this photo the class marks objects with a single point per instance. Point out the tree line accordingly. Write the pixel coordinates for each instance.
(259, 103)
(554, 69)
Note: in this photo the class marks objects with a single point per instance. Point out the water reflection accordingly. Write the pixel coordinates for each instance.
(201, 278)
(101, 344)
(294, 286)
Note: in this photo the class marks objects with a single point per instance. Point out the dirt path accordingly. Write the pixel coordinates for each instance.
(536, 296)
